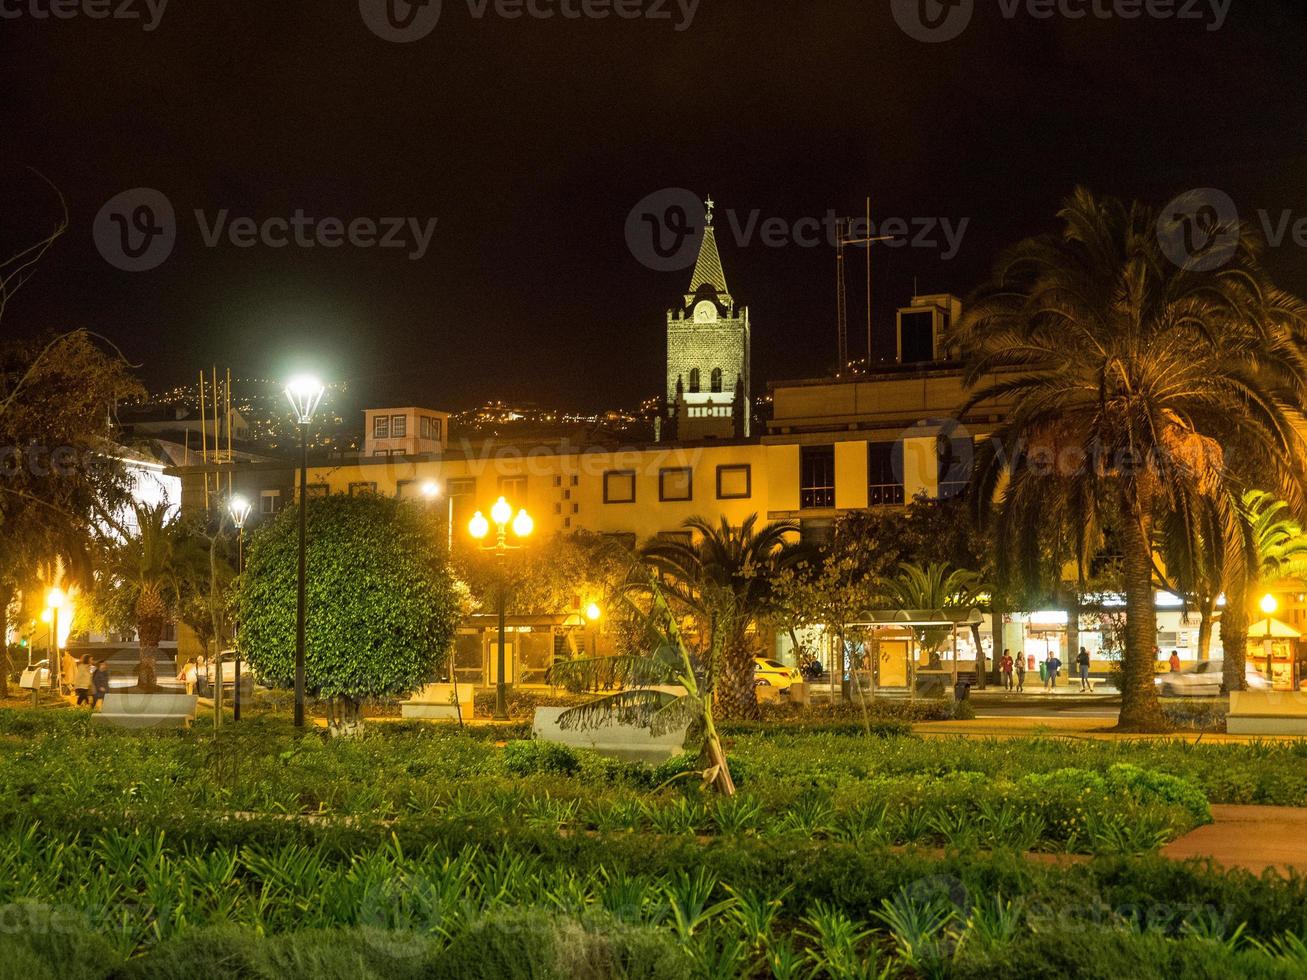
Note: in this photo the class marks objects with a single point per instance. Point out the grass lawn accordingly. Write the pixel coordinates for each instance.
(419, 851)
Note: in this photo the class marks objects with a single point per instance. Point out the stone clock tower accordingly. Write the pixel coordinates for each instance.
(708, 353)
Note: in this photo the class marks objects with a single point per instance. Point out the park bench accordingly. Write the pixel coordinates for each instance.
(625, 742)
(131, 709)
(436, 702)
(1267, 713)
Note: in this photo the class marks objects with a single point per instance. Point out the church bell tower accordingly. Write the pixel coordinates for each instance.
(708, 353)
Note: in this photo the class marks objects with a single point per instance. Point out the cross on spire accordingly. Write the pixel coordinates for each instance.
(711, 204)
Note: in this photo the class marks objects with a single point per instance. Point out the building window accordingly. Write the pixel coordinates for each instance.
(381, 452)
(885, 474)
(694, 381)
(576, 481)
(269, 501)
(381, 427)
(513, 489)
(429, 428)
(407, 489)
(558, 481)
(362, 489)
(917, 337)
(398, 427)
(717, 381)
(816, 477)
(676, 484)
(955, 463)
(734, 482)
(319, 490)
(619, 487)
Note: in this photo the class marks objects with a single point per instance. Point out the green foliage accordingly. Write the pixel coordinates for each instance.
(530, 758)
(382, 604)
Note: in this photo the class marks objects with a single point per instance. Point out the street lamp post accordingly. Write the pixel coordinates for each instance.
(479, 527)
(239, 508)
(55, 600)
(304, 394)
(1269, 605)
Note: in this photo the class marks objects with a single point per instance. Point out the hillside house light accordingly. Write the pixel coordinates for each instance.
(239, 508)
(593, 612)
(304, 393)
(522, 525)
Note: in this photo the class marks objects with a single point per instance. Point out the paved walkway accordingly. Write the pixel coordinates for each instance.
(1255, 838)
(1072, 726)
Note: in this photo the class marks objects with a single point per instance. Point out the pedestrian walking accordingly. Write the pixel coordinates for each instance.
(1005, 665)
(1082, 661)
(1021, 673)
(1175, 661)
(82, 680)
(99, 683)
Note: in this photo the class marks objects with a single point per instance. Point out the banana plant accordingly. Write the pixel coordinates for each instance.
(640, 702)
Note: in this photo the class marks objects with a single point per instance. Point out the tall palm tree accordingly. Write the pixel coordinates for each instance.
(1136, 386)
(1274, 547)
(725, 575)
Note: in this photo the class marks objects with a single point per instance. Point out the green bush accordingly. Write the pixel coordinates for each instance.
(529, 758)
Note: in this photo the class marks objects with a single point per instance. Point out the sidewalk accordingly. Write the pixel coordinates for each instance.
(1074, 726)
(1255, 838)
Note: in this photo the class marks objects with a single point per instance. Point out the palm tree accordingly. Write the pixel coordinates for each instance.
(1138, 388)
(725, 576)
(149, 571)
(932, 587)
(1274, 547)
(670, 663)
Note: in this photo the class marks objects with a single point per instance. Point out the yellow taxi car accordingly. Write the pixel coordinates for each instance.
(773, 673)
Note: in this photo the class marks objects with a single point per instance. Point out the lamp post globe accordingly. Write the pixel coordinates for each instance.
(304, 394)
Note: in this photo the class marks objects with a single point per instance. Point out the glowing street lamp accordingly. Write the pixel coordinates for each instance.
(593, 612)
(1269, 605)
(522, 525)
(239, 508)
(55, 600)
(304, 394)
(431, 491)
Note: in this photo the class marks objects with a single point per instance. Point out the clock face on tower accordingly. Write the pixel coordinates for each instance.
(705, 312)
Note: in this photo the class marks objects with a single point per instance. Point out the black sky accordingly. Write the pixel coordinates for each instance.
(530, 141)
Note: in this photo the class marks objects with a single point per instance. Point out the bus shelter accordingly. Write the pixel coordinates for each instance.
(922, 634)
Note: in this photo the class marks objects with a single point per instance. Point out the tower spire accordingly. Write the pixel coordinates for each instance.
(708, 266)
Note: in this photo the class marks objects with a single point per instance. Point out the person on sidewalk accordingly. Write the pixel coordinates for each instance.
(1005, 665)
(1052, 666)
(1082, 661)
(1175, 661)
(1021, 673)
(99, 683)
(82, 680)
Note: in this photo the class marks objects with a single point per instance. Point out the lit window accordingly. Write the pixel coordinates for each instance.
(619, 487)
(675, 484)
(381, 427)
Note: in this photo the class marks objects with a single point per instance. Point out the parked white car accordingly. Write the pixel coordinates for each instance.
(1203, 679)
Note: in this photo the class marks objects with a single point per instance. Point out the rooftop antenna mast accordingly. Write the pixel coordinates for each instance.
(844, 239)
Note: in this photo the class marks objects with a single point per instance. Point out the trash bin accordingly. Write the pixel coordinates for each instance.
(1043, 671)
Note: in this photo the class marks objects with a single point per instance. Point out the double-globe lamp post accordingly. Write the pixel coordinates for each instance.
(479, 527)
(239, 509)
(304, 394)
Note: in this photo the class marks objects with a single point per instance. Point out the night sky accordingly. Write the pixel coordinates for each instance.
(530, 141)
